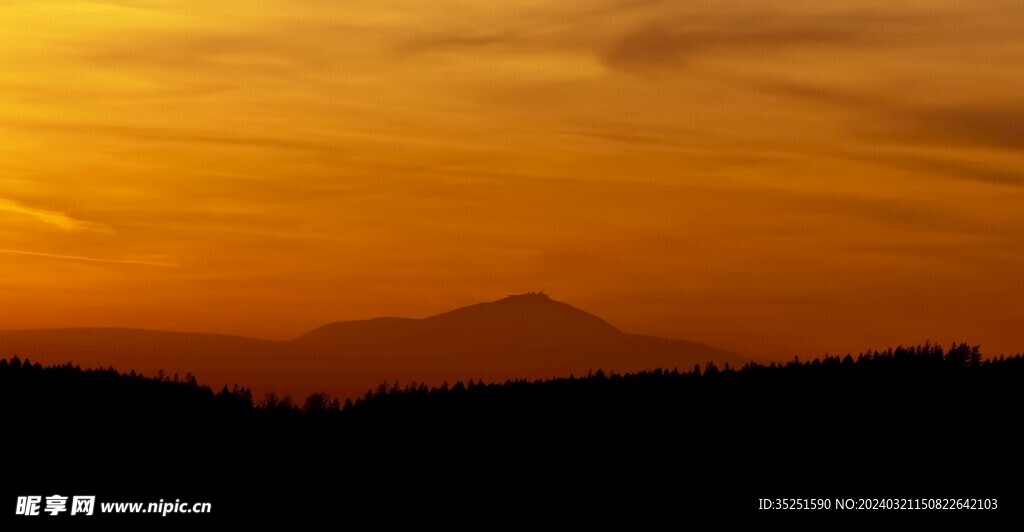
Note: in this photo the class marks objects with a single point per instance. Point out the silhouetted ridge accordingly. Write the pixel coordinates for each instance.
(371, 329)
(514, 315)
(520, 336)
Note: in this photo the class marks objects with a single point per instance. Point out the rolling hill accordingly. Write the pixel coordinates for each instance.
(521, 336)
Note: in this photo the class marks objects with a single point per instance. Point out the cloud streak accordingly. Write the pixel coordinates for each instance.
(998, 125)
(52, 218)
(674, 42)
(78, 258)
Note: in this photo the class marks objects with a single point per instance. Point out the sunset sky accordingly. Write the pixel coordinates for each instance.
(769, 177)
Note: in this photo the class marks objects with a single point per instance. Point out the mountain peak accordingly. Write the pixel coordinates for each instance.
(532, 315)
(537, 296)
(530, 311)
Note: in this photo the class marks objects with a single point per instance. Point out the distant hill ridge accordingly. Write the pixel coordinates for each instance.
(519, 336)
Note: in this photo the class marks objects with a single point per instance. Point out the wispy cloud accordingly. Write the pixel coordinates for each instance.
(53, 218)
(996, 125)
(947, 167)
(175, 135)
(85, 259)
(673, 42)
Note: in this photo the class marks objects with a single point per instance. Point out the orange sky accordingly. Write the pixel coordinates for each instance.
(770, 177)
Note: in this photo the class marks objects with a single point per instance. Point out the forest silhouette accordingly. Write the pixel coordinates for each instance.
(32, 390)
(908, 421)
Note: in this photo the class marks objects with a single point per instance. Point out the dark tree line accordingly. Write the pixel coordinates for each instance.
(31, 389)
(919, 421)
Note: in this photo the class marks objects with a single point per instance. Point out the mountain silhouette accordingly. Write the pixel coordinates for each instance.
(521, 336)
(528, 318)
